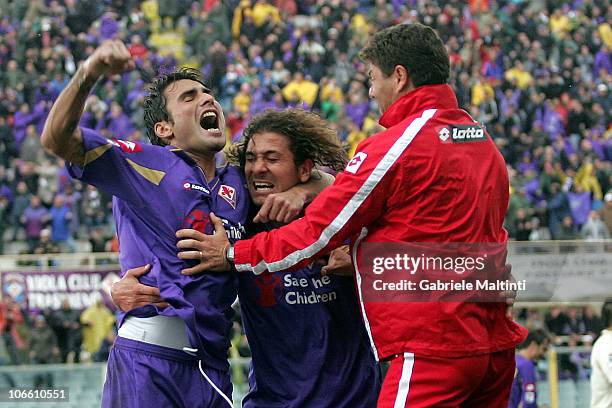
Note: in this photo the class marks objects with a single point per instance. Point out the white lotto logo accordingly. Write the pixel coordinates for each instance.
(444, 134)
(190, 186)
(356, 162)
(471, 132)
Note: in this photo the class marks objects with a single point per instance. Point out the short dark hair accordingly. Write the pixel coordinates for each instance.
(416, 47)
(155, 103)
(539, 336)
(310, 138)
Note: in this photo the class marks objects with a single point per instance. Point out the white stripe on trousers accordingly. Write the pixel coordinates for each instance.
(404, 382)
(212, 384)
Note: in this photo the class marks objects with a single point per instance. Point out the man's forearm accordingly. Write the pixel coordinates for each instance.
(61, 134)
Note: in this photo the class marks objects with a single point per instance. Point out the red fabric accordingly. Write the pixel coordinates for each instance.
(138, 51)
(482, 381)
(435, 192)
(17, 319)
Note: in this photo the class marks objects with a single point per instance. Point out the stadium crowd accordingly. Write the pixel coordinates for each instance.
(537, 74)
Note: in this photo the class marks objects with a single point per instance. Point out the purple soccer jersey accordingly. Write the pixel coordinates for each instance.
(308, 343)
(524, 385)
(158, 190)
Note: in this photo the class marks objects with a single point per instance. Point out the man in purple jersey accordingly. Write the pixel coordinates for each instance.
(175, 356)
(523, 392)
(309, 347)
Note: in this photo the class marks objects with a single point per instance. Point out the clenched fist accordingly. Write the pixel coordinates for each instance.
(112, 57)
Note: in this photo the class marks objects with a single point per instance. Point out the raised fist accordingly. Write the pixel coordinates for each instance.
(112, 57)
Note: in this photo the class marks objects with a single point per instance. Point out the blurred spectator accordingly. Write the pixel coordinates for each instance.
(61, 218)
(34, 219)
(96, 322)
(557, 321)
(594, 229)
(522, 226)
(592, 322)
(10, 318)
(300, 90)
(568, 229)
(45, 245)
(575, 324)
(559, 215)
(524, 393)
(68, 331)
(105, 347)
(43, 349)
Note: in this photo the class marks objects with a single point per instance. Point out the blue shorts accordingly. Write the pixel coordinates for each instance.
(144, 375)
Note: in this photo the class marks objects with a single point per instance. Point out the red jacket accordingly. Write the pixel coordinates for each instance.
(414, 182)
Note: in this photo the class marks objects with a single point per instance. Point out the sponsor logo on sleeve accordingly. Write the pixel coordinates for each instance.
(228, 193)
(191, 186)
(356, 162)
(530, 393)
(462, 133)
(127, 146)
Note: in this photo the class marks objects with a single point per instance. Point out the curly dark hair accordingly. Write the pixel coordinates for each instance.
(310, 138)
(155, 103)
(416, 47)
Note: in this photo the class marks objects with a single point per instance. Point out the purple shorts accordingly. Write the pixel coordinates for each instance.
(145, 375)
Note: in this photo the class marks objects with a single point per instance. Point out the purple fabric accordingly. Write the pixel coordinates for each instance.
(580, 205)
(524, 167)
(602, 61)
(494, 69)
(145, 375)
(524, 385)
(60, 222)
(552, 122)
(35, 219)
(505, 102)
(22, 120)
(5, 191)
(357, 112)
(121, 126)
(109, 27)
(531, 189)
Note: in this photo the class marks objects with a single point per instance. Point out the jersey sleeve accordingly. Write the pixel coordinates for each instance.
(123, 169)
(354, 200)
(526, 372)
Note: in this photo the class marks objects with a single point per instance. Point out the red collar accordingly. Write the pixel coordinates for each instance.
(417, 100)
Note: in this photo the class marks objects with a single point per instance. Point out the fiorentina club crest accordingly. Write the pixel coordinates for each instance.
(228, 193)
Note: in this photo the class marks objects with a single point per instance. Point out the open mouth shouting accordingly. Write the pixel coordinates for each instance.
(262, 186)
(209, 121)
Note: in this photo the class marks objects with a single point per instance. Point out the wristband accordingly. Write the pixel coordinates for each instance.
(229, 254)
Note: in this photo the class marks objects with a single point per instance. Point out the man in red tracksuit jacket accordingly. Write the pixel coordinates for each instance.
(434, 175)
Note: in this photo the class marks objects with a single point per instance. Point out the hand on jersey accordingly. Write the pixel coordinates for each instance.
(339, 263)
(208, 249)
(281, 207)
(129, 293)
